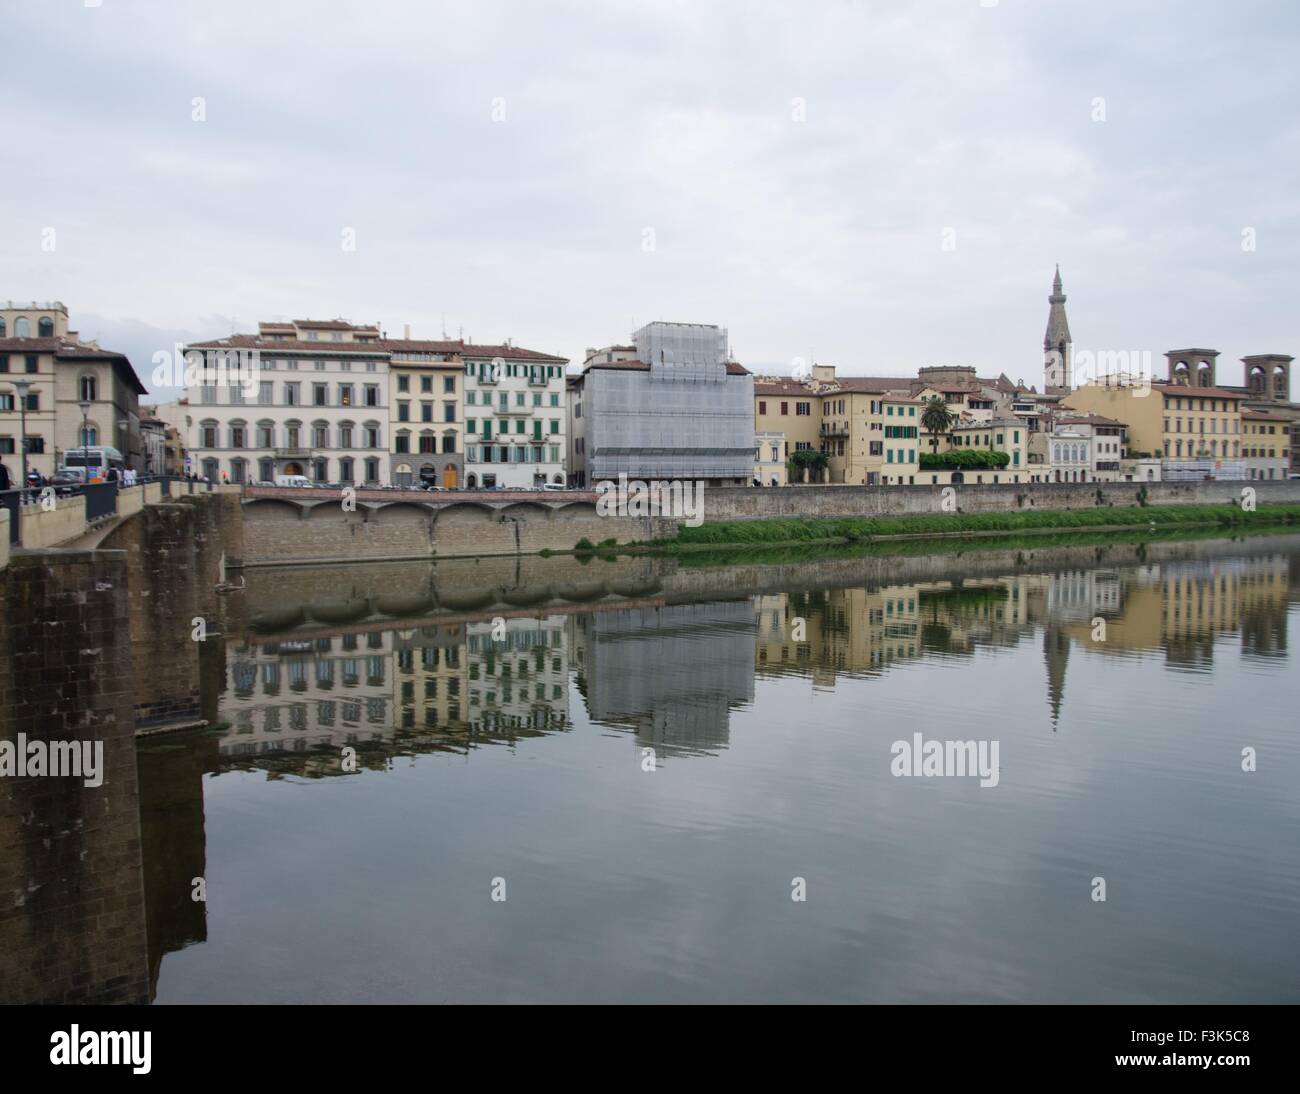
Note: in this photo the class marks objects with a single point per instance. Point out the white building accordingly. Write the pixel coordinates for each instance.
(319, 406)
(514, 417)
(1085, 448)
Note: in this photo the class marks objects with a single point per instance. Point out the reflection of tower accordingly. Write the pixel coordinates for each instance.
(1058, 366)
(1056, 652)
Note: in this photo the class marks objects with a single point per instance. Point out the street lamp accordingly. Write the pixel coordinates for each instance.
(85, 443)
(23, 387)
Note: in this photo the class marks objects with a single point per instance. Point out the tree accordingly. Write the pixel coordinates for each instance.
(936, 419)
(805, 460)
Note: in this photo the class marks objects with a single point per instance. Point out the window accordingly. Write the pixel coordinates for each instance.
(404, 411)
(33, 363)
(403, 383)
(426, 412)
(237, 435)
(320, 435)
(22, 327)
(372, 395)
(762, 406)
(88, 388)
(87, 435)
(372, 470)
(345, 394)
(266, 392)
(345, 469)
(291, 395)
(426, 385)
(265, 435)
(449, 385)
(372, 438)
(403, 443)
(208, 435)
(449, 442)
(428, 443)
(785, 409)
(319, 395)
(345, 434)
(448, 412)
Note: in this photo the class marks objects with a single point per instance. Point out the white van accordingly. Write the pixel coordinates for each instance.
(292, 480)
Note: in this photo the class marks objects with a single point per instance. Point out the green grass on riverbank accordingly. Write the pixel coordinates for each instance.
(778, 554)
(865, 529)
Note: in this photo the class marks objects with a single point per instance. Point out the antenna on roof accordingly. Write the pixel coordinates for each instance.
(444, 326)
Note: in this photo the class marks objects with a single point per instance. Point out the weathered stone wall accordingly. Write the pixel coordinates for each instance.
(798, 502)
(282, 531)
(287, 526)
(39, 527)
(175, 554)
(72, 920)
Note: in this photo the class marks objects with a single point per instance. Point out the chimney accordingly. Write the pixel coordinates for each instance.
(406, 331)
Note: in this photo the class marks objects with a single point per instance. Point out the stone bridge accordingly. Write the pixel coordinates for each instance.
(286, 524)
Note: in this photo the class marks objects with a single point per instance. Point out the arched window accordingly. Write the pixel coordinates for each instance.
(238, 435)
(45, 327)
(89, 389)
(320, 434)
(471, 481)
(22, 327)
(239, 470)
(2, 326)
(88, 435)
(265, 436)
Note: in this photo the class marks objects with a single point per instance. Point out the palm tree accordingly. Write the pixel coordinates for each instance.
(936, 419)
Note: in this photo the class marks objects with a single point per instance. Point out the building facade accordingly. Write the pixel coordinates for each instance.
(515, 417)
(1086, 448)
(426, 413)
(680, 410)
(319, 406)
(59, 372)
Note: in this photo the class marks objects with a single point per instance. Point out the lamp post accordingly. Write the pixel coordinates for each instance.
(23, 387)
(85, 443)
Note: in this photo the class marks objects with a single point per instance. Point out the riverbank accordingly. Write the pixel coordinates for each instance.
(938, 526)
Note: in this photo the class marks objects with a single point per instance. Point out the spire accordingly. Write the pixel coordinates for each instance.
(1058, 371)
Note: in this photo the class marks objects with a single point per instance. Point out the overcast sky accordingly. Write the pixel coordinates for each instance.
(822, 236)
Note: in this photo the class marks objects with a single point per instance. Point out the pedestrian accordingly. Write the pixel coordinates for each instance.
(5, 484)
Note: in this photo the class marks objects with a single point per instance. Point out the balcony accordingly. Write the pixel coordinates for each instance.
(834, 429)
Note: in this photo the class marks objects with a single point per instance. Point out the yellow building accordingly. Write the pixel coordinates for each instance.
(789, 408)
(1195, 431)
(1009, 435)
(426, 416)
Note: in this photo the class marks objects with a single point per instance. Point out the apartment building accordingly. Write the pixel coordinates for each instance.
(679, 409)
(320, 407)
(47, 373)
(1266, 443)
(1085, 448)
(784, 416)
(515, 412)
(426, 412)
(1194, 431)
(942, 465)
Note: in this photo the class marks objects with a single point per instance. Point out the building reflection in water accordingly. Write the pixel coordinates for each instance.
(670, 674)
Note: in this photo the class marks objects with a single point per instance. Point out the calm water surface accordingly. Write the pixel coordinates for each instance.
(520, 752)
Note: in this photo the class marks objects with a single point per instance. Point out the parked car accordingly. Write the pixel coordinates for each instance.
(554, 486)
(292, 480)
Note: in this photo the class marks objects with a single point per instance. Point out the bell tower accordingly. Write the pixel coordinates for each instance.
(1058, 353)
